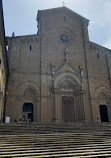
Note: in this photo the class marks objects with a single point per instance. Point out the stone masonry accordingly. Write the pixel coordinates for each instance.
(58, 75)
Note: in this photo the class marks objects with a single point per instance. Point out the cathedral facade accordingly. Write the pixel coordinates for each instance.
(58, 75)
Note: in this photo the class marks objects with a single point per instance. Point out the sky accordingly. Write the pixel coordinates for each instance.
(20, 16)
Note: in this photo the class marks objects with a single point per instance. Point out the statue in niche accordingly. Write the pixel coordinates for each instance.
(82, 87)
(66, 55)
(53, 69)
(81, 71)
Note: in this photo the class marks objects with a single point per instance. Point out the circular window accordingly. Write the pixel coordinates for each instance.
(64, 38)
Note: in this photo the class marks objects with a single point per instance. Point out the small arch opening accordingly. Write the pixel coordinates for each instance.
(28, 112)
(30, 48)
(98, 55)
(103, 113)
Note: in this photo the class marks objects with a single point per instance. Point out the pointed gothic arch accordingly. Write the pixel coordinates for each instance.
(103, 106)
(102, 89)
(29, 104)
(67, 77)
(66, 85)
(28, 94)
(103, 103)
(68, 98)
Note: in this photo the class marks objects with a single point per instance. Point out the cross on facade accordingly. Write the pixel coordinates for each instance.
(63, 3)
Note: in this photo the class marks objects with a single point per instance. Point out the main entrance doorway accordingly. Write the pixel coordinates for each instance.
(28, 112)
(103, 113)
(67, 109)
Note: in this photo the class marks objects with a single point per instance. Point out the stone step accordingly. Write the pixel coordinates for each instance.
(17, 148)
(52, 142)
(67, 145)
(59, 154)
(94, 156)
(58, 146)
(55, 140)
(77, 137)
(74, 150)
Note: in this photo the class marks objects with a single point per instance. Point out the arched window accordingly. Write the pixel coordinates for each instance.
(102, 96)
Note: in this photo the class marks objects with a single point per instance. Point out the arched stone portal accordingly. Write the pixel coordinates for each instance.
(68, 100)
(103, 113)
(29, 104)
(103, 106)
(28, 112)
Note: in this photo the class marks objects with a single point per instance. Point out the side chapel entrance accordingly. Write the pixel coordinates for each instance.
(67, 109)
(28, 112)
(103, 113)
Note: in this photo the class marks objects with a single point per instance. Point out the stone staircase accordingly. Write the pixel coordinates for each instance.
(80, 140)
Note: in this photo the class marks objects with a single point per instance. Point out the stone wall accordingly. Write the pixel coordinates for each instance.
(2, 84)
(99, 76)
(24, 67)
(3, 65)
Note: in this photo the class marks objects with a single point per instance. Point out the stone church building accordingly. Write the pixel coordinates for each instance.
(58, 75)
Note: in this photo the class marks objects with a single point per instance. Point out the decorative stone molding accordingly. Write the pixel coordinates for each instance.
(27, 40)
(24, 40)
(28, 89)
(66, 76)
(102, 96)
(98, 48)
(66, 86)
(28, 93)
(101, 90)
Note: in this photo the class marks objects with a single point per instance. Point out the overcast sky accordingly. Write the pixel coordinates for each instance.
(20, 16)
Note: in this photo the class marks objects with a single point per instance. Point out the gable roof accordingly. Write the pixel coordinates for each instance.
(62, 9)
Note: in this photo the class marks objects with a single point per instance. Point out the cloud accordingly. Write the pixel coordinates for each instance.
(97, 11)
(107, 43)
(99, 14)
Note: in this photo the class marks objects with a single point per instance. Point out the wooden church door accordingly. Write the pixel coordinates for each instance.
(67, 109)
